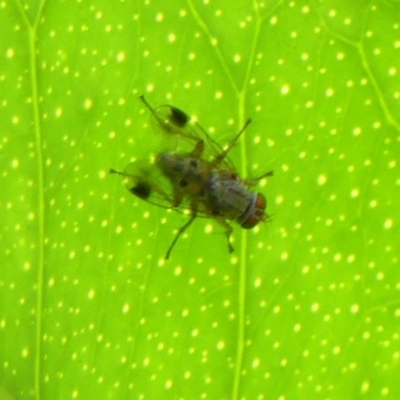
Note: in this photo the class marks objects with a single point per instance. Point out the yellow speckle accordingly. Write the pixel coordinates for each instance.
(285, 89)
(125, 308)
(355, 193)
(279, 200)
(273, 20)
(355, 308)
(58, 112)
(91, 294)
(120, 56)
(146, 361)
(315, 307)
(195, 332)
(380, 276)
(159, 17)
(377, 125)
(10, 53)
(171, 37)
(87, 104)
(237, 58)
(168, 384)
(208, 228)
(385, 391)
(185, 312)
(15, 163)
(255, 363)
(337, 257)
(177, 271)
(322, 179)
(351, 258)
(365, 386)
(329, 92)
(388, 224)
(220, 345)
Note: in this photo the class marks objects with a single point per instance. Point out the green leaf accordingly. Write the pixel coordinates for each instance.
(306, 308)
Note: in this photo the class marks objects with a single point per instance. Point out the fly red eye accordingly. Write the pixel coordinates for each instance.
(261, 202)
(251, 222)
(257, 214)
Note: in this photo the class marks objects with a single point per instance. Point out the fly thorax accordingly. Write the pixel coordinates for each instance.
(228, 196)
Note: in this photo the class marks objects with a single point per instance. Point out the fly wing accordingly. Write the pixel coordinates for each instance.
(144, 180)
(184, 133)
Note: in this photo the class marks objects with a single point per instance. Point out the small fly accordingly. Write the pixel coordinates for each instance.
(196, 177)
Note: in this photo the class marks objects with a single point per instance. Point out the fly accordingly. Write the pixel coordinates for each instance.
(196, 177)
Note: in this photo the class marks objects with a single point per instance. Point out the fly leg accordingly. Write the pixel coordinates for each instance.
(181, 230)
(228, 233)
(220, 157)
(254, 181)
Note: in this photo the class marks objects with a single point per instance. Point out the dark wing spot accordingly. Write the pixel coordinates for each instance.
(142, 190)
(178, 117)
